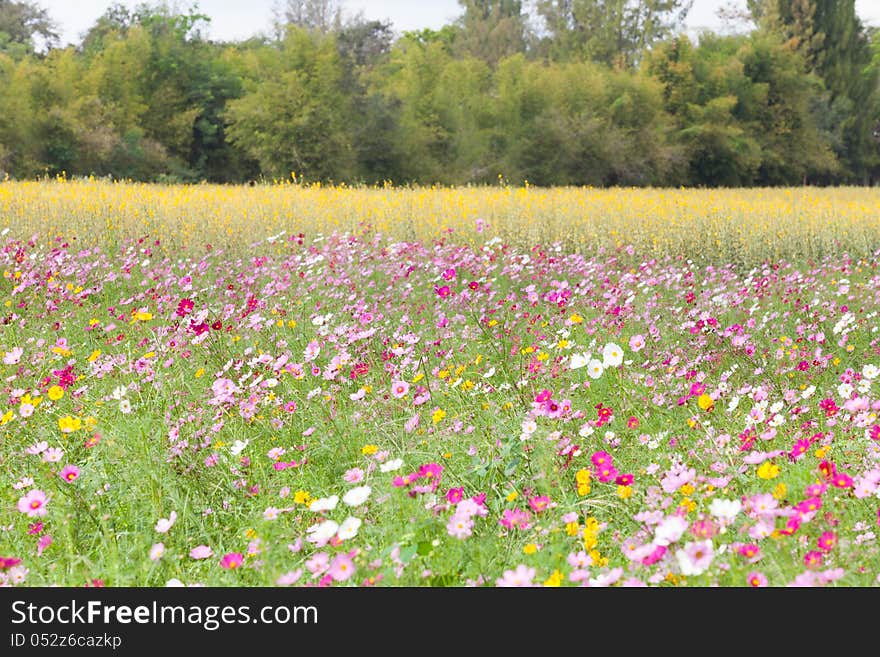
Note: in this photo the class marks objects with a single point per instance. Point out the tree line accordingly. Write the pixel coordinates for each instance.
(549, 92)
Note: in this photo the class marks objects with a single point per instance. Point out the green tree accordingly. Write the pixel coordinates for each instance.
(614, 32)
(294, 116)
(836, 47)
(22, 25)
(491, 30)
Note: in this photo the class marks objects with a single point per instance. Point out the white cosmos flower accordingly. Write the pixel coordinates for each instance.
(844, 390)
(870, 371)
(578, 361)
(322, 532)
(357, 496)
(612, 355)
(324, 503)
(529, 426)
(391, 466)
(595, 369)
(725, 509)
(349, 528)
(806, 394)
(669, 530)
(238, 447)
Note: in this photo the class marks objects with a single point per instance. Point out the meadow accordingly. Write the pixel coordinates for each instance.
(298, 385)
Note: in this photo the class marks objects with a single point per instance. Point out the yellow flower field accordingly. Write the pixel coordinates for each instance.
(731, 225)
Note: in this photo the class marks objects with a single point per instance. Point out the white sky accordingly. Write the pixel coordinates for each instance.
(239, 19)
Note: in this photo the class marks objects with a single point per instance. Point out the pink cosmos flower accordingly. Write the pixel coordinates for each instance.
(44, 542)
(342, 567)
(756, 579)
(232, 560)
(354, 475)
(515, 519)
(399, 389)
(695, 558)
(69, 473)
(600, 459)
(637, 343)
(540, 503)
(460, 526)
(201, 552)
(165, 524)
(33, 503)
(813, 559)
(289, 578)
(8, 562)
(455, 495)
(827, 541)
(521, 577)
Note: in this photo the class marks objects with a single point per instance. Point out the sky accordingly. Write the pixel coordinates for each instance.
(240, 19)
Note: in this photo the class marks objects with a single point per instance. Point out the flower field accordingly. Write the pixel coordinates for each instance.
(249, 395)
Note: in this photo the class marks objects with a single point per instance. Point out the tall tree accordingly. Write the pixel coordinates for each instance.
(22, 23)
(320, 15)
(614, 32)
(491, 30)
(295, 116)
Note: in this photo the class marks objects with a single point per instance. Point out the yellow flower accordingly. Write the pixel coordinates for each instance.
(7, 417)
(200, 372)
(572, 528)
(94, 356)
(512, 496)
(141, 316)
(624, 492)
(555, 579)
(768, 470)
(531, 548)
(302, 497)
(438, 415)
(582, 476)
(368, 450)
(575, 319)
(705, 402)
(69, 424)
(598, 560)
(688, 505)
(686, 489)
(779, 491)
(55, 393)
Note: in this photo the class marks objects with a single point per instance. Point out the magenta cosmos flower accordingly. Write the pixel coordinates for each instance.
(33, 504)
(231, 560)
(69, 473)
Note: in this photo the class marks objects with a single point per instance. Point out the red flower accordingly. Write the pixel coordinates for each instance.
(185, 307)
